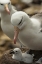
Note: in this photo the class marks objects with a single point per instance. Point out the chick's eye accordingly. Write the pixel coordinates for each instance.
(16, 51)
(1, 4)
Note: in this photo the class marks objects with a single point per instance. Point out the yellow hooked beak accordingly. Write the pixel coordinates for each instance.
(16, 30)
(7, 9)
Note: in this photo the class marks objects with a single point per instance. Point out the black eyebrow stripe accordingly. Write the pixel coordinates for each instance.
(20, 21)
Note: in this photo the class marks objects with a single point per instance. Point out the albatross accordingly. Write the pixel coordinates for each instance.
(28, 29)
(6, 10)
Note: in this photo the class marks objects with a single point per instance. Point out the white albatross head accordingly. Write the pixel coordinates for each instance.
(19, 21)
(5, 5)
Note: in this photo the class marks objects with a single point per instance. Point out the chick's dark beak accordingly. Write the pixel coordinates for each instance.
(12, 52)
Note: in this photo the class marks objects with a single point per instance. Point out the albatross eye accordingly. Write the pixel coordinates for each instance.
(1, 4)
(20, 21)
(9, 3)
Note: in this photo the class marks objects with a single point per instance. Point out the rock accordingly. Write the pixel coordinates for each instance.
(14, 1)
(6, 59)
(33, 9)
(0, 21)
